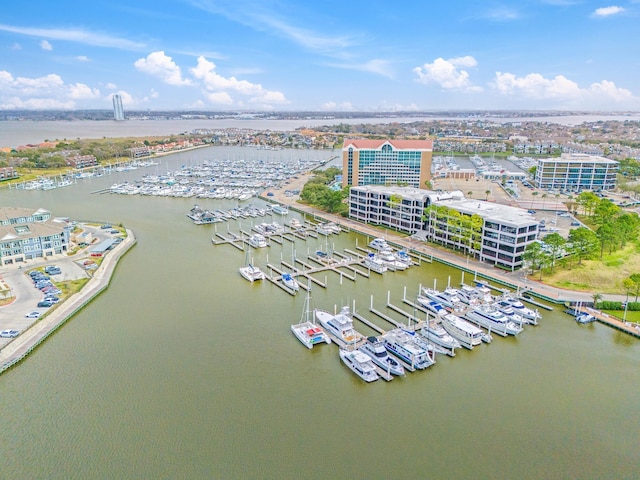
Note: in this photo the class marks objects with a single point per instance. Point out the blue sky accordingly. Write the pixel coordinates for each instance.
(328, 55)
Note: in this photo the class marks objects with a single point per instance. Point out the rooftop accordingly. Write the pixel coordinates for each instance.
(369, 144)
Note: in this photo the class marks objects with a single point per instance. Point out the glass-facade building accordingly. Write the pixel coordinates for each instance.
(387, 162)
(574, 172)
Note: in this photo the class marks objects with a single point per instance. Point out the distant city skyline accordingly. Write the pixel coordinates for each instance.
(250, 55)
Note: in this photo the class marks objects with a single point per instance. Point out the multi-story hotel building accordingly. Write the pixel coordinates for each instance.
(118, 110)
(386, 162)
(575, 172)
(493, 233)
(27, 234)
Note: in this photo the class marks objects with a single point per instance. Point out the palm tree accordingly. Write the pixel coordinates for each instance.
(596, 298)
(544, 197)
(487, 193)
(470, 194)
(534, 194)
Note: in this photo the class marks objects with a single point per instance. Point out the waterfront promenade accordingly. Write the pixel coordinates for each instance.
(28, 340)
(516, 280)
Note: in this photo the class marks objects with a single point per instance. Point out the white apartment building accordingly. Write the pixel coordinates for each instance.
(574, 172)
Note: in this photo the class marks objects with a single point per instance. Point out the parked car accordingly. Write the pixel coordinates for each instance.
(51, 298)
(106, 226)
(33, 314)
(52, 269)
(51, 291)
(45, 304)
(114, 231)
(575, 224)
(9, 333)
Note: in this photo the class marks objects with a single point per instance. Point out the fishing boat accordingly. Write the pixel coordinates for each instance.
(374, 263)
(379, 355)
(493, 320)
(359, 363)
(307, 331)
(340, 325)
(402, 345)
(290, 282)
(466, 333)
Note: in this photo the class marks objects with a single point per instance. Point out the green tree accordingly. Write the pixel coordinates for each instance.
(534, 194)
(632, 284)
(535, 256)
(604, 212)
(607, 236)
(583, 243)
(487, 193)
(588, 201)
(394, 204)
(556, 242)
(596, 299)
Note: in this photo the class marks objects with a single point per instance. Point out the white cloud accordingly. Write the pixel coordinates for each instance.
(46, 45)
(16, 46)
(111, 86)
(337, 107)
(607, 11)
(75, 35)
(127, 98)
(162, 66)
(563, 92)
(153, 94)
(82, 58)
(80, 91)
(215, 85)
(49, 91)
(448, 74)
(377, 66)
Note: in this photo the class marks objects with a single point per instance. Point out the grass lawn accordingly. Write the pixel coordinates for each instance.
(602, 276)
(633, 317)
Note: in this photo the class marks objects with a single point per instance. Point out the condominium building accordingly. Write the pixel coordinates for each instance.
(118, 111)
(27, 234)
(497, 234)
(574, 172)
(387, 162)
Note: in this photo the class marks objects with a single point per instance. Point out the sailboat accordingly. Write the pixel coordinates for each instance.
(251, 272)
(307, 331)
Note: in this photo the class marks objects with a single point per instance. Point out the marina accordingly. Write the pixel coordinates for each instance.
(135, 360)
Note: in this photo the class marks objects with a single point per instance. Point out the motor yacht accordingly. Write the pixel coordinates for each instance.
(402, 345)
(431, 306)
(360, 364)
(390, 260)
(379, 244)
(374, 263)
(466, 333)
(530, 315)
(494, 320)
(340, 325)
(448, 298)
(433, 332)
(257, 240)
(379, 355)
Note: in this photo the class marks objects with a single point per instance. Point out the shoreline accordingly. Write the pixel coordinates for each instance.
(20, 347)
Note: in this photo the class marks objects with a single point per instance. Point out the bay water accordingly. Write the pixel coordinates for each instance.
(182, 369)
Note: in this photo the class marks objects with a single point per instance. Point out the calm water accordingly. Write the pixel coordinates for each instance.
(182, 369)
(14, 133)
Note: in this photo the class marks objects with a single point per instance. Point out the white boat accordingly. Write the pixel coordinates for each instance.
(402, 345)
(431, 306)
(257, 241)
(493, 320)
(476, 295)
(372, 262)
(390, 260)
(532, 316)
(340, 325)
(360, 364)
(280, 209)
(404, 257)
(448, 298)
(467, 334)
(290, 282)
(252, 273)
(433, 332)
(379, 355)
(322, 229)
(510, 312)
(379, 244)
(295, 223)
(585, 317)
(307, 331)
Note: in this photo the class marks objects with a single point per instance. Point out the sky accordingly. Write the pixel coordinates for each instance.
(293, 55)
